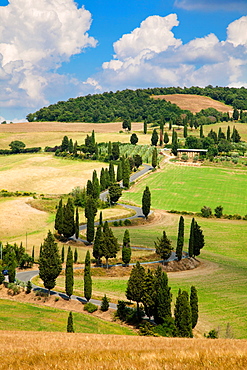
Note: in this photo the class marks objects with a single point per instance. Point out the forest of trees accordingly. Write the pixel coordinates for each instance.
(134, 105)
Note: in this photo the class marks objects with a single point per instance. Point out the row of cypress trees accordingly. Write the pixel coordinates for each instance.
(153, 292)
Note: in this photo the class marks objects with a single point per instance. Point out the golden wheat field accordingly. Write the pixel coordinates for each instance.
(33, 350)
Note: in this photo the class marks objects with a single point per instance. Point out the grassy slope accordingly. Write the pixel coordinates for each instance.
(29, 317)
(189, 189)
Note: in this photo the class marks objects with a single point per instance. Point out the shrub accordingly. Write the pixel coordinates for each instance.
(105, 304)
(41, 293)
(115, 223)
(120, 223)
(90, 307)
(13, 289)
(127, 222)
(56, 299)
(206, 211)
(147, 329)
(29, 287)
(213, 334)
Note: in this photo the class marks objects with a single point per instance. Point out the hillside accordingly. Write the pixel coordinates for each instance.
(194, 103)
(25, 350)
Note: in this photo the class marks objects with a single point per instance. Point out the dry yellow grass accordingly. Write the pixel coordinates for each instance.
(194, 103)
(34, 350)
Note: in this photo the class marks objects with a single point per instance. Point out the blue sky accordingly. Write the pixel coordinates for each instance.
(52, 50)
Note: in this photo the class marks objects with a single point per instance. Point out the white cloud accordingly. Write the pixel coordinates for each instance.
(143, 60)
(35, 38)
(211, 5)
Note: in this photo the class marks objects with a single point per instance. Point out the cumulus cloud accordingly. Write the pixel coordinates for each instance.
(35, 38)
(212, 5)
(143, 60)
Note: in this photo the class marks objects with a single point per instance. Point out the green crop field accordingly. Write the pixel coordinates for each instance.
(29, 317)
(184, 188)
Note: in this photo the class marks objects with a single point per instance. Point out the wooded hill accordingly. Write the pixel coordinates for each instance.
(135, 105)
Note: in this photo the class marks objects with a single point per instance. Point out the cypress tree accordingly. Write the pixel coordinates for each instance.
(155, 158)
(145, 126)
(149, 293)
(69, 273)
(174, 148)
(62, 254)
(126, 249)
(198, 239)
(96, 185)
(201, 132)
(12, 264)
(89, 188)
(70, 146)
(68, 219)
(180, 239)
(182, 313)
(75, 256)
(119, 171)
(50, 264)
(102, 180)
(115, 192)
(107, 178)
(111, 172)
(191, 239)
(194, 306)
(70, 325)
(87, 278)
(154, 137)
(77, 230)
(228, 134)
(90, 212)
(163, 298)
(65, 144)
(185, 131)
(166, 138)
(134, 291)
(59, 218)
(115, 151)
(163, 247)
(33, 254)
(97, 252)
(93, 138)
(100, 219)
(110, 245)
(161, 131)
(146, 202)
(109, 150)
(90, 229)
(126, 173)
(75, 149)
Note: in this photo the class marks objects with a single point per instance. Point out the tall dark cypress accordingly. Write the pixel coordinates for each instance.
(102, 180)
(87, 278)
(163, 247)
(50, 264)
(89, 188)
(198, 239)
(97, 245)
(90, 212)
(126, 249)
(194, 306)
(180, 239)
(146, 202)
(111, 172)
(110, 245)
(145, 126)
(182, 313)
(75, 255)
(134, 291)
(68, 219)
(163, 298)
(69, 273)
(62, 254)
(70, 324)
(119, 171)
(59, 218)
(191, 239)
(155, 158)
(126, 173)
(77, 223)
(96, 185)
(149, 293)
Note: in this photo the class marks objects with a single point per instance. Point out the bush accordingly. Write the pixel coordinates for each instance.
(41, 293)
(13, 289)
(127, 314)
(213, 334)
(206, 211)
(147, 329)
(29, 287)
(167, 329)
(104, 304)
(115, 223)
(90, 307)
(127, 222)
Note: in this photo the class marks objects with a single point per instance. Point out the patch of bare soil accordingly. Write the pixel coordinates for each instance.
(194, 103)
(67, 127)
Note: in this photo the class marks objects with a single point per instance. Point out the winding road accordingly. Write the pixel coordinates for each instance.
(26, 276)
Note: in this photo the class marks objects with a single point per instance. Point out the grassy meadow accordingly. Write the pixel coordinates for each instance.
(183, 188)
(31, 317)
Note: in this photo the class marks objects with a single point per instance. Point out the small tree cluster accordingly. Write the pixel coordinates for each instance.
(65, 222)
(105, 244)
(196, 240)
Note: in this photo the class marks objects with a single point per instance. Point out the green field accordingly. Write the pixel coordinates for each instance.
(184, 188)
(29, 317)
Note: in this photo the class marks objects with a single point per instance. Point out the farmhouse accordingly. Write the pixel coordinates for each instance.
(192, 152)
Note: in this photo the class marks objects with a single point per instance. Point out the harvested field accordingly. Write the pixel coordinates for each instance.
(194, 103)
(67, 127)
(35, 350)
